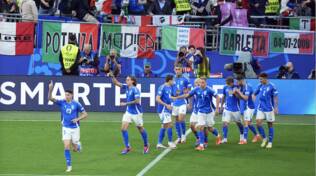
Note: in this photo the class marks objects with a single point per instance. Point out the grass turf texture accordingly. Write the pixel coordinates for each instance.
(31, 144)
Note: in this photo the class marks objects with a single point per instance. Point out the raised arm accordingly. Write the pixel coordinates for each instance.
(50, 89)
(114, 80)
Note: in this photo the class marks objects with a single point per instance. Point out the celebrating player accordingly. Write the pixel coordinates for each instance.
(179, 106)
(164, 110)
(245, 94)
(194, 115)
(205, 111)
(268, 106)
(70, 120)
(133, 111)
(231, 111)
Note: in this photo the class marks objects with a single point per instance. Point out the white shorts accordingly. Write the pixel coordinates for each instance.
(137, 118)
(248, 114)
(165, 117)
(72, 134)
(231, 116)
(194, 118)
(206, 119)
(269, 116)
(176, 110)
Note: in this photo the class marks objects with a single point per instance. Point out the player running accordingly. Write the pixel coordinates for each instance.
(70, 118)
(268, 107)
(164, 110)
(231, 111)
(205, 111)
(133, 112)
(179, 106)
(245, 92)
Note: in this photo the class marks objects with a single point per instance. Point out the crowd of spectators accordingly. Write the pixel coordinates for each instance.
(226, 10)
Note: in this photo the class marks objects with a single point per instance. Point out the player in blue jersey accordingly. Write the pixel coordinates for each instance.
(194, 115)
(164, 108)
(70, 110)
(206, 113)
(245, 92)
(133, 112)
(231, 111)
(267, 108)
(179, 106)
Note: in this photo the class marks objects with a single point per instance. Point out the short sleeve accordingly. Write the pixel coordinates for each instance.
(160, 91)
(257, 90)
(59, 102)
(192, 92)
(80, 107)
(274, 91)
(212, 92)
(136, 93)
(124, 87)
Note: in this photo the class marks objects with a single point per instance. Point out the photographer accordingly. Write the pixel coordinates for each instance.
(242, 67)
(148, 73)
(112, 63)
(287, 72)
(89, 62)
(184, 60)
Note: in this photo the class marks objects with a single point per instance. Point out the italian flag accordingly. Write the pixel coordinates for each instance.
(129, 41)
(16, 38)
(55, 35)
(237, 41)
(175, 37)
(292, 42)
(306, 24)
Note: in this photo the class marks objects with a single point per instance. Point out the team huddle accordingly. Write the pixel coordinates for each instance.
(174, 98)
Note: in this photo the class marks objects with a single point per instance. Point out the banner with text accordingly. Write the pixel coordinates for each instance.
(55, 35)
(129, 41)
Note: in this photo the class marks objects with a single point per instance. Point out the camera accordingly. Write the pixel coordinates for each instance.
(112, 57)
(85, 60)
(282, 72)
(181, 54)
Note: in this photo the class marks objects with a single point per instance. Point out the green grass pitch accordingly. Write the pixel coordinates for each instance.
(31, 144)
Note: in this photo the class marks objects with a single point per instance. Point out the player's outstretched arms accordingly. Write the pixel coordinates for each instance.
(114, 80)
(50, 89)
(180, 97)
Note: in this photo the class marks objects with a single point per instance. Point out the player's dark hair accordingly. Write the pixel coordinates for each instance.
(69, 91)
(168, 78)
(191, 46)
(133, 78)
(229, 79)
(263, 75)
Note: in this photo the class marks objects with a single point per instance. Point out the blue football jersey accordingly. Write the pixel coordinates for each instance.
(248, 91)
(164, 92)
(265, 95)
(131, 95)
(177, 89)
(69, 111)
(232, 102)
(204, 99)
(195, 103)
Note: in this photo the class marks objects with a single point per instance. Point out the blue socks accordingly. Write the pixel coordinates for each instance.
(246, 132)
(169, 132)
(183, 127)
(225, 131)
(202, 137)
(271, 134)
(68, 157)
(253, 129)
(125, 138)
(178, 129)
(145, 138)
(215, 132)
(261, 132)
(161, 135)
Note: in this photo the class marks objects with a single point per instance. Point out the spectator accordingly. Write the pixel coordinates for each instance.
(257, 8)
(11, 7)
(288, 7)
(272, 9)
(81, 9)
(113, 63)
(89, 62)
(29, 11)
(182, 7)
(148, 72)
(160, 7)
(312, 75)
(116, 6)
(199, 7)
(47, 7)
(239, 17)
(287, 72)
(69, 57)
(183, 60)
(224, 9)
(65, 7)
(136, 7)
(203, 64)
(303, 9)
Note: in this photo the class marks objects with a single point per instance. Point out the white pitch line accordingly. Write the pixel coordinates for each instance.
(45, 175)
(158, 158)
(96, 121)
